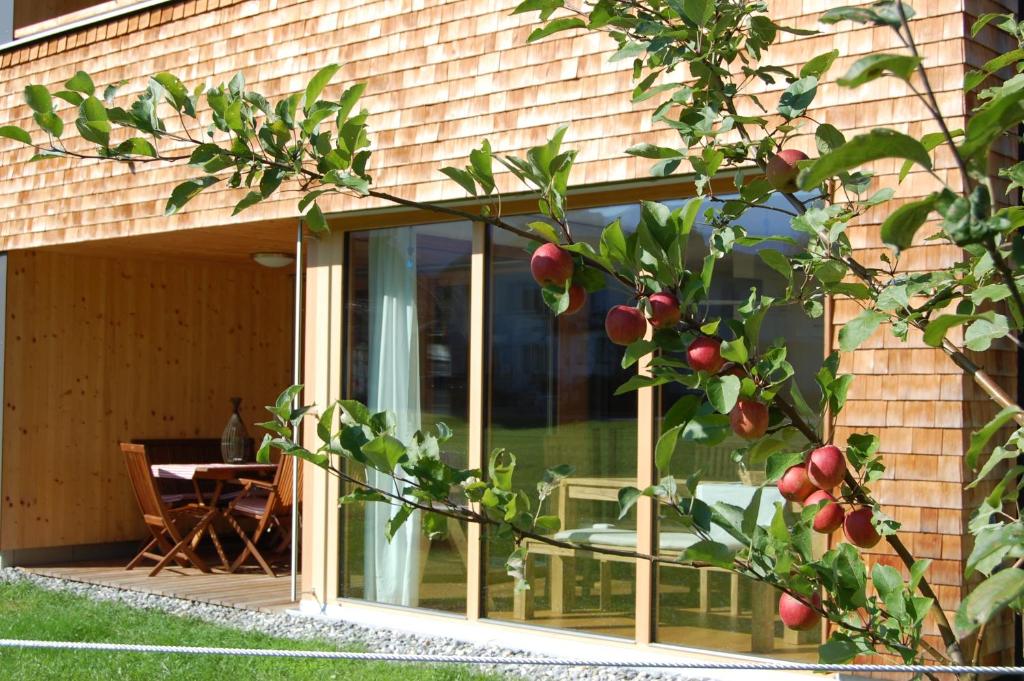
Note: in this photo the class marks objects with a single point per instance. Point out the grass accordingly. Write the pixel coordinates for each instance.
(28, 611)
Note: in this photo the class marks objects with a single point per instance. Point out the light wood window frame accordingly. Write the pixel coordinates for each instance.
(325, 306)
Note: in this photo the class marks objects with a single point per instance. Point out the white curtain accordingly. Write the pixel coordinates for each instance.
(391, 570)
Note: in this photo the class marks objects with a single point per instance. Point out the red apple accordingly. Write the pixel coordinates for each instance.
(781, 171)
(625, 325)
(794, 485)
(749, 418)
(705, 354)
(665, 311)
(551, 266)
(796, 614)
(826, 467)
(830, 516)
(736, 370)
(577, 297)
(858, 528)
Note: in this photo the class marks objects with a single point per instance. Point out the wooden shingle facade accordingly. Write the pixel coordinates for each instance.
(440, 77)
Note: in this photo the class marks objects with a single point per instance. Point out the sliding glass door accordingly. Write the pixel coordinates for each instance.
(407, 332)
(548, 387)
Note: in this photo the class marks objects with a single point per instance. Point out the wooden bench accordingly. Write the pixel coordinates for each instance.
(562, 578)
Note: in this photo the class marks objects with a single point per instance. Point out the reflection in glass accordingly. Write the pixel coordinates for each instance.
(550, 401)
(710, 608)
(408, 347)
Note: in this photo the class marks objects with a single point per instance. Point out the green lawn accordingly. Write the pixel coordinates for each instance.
(31, 612)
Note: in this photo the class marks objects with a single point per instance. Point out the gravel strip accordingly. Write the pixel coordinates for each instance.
(339, 633)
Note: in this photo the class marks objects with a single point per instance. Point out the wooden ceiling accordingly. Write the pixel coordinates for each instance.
(230, 243)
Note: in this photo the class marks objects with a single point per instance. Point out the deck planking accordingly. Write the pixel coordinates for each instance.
(245, 591)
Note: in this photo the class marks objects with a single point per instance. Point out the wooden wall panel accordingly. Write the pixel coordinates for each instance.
(103, 350)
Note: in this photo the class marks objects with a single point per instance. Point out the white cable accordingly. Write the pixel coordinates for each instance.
(496, 660)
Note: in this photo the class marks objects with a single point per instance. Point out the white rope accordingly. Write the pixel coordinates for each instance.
(497, 660)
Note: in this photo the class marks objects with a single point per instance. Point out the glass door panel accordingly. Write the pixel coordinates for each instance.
(407, 340)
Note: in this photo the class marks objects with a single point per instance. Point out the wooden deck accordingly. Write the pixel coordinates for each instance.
(247, 591)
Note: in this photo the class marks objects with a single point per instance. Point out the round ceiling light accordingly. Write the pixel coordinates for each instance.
(273, 259)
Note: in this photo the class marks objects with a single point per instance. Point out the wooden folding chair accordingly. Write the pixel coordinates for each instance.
(270, 505)
(162, 521)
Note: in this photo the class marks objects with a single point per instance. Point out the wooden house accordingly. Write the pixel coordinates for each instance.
(120, 323)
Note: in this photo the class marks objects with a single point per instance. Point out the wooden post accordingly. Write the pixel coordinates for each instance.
(323, 361)
(646, 541)
(477, 342)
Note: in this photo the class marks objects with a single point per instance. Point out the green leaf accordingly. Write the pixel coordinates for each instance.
(38, 97)
(316, 221)
(348, 100)
(779, 463)
(981, 437)
(93, 111)
(464, 179)
(176, 91)
(72, 98)
(998, 455)
(899, 228)
(1004, 21)
(81, 82)
(874, 66)
(396, 521)
(877, 144)
(250, 199)
(937, 328)
(723, 391)
(698, 11)
(710, 552)
(828, 138)
(1003, 111)
(982, 332)
(994, 545)
(735, 350)
(557, 299)
(13, 132)
(646, 150)
(317, 84)
(355, 411)
(556, 25)
(186, 191)
(666, 448)
(548, 523)
(917, 571)
(887, 580)
(840, 651)
(628, 497)
(50, 122)
(858, 329)
(777, 261)
(636, 350)
(136, 146)
(384, 452)
(798, 96)
(819, 65)
(929, 142)
(233, 117)
(987, 599)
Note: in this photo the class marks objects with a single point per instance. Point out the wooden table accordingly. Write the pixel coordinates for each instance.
(220, 473)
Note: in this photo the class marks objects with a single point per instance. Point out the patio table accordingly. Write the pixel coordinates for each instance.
(219, 473)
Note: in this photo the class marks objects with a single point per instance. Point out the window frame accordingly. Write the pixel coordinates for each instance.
(645, 633)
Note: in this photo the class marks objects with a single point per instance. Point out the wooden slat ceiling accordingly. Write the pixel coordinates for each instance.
(234, 243)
